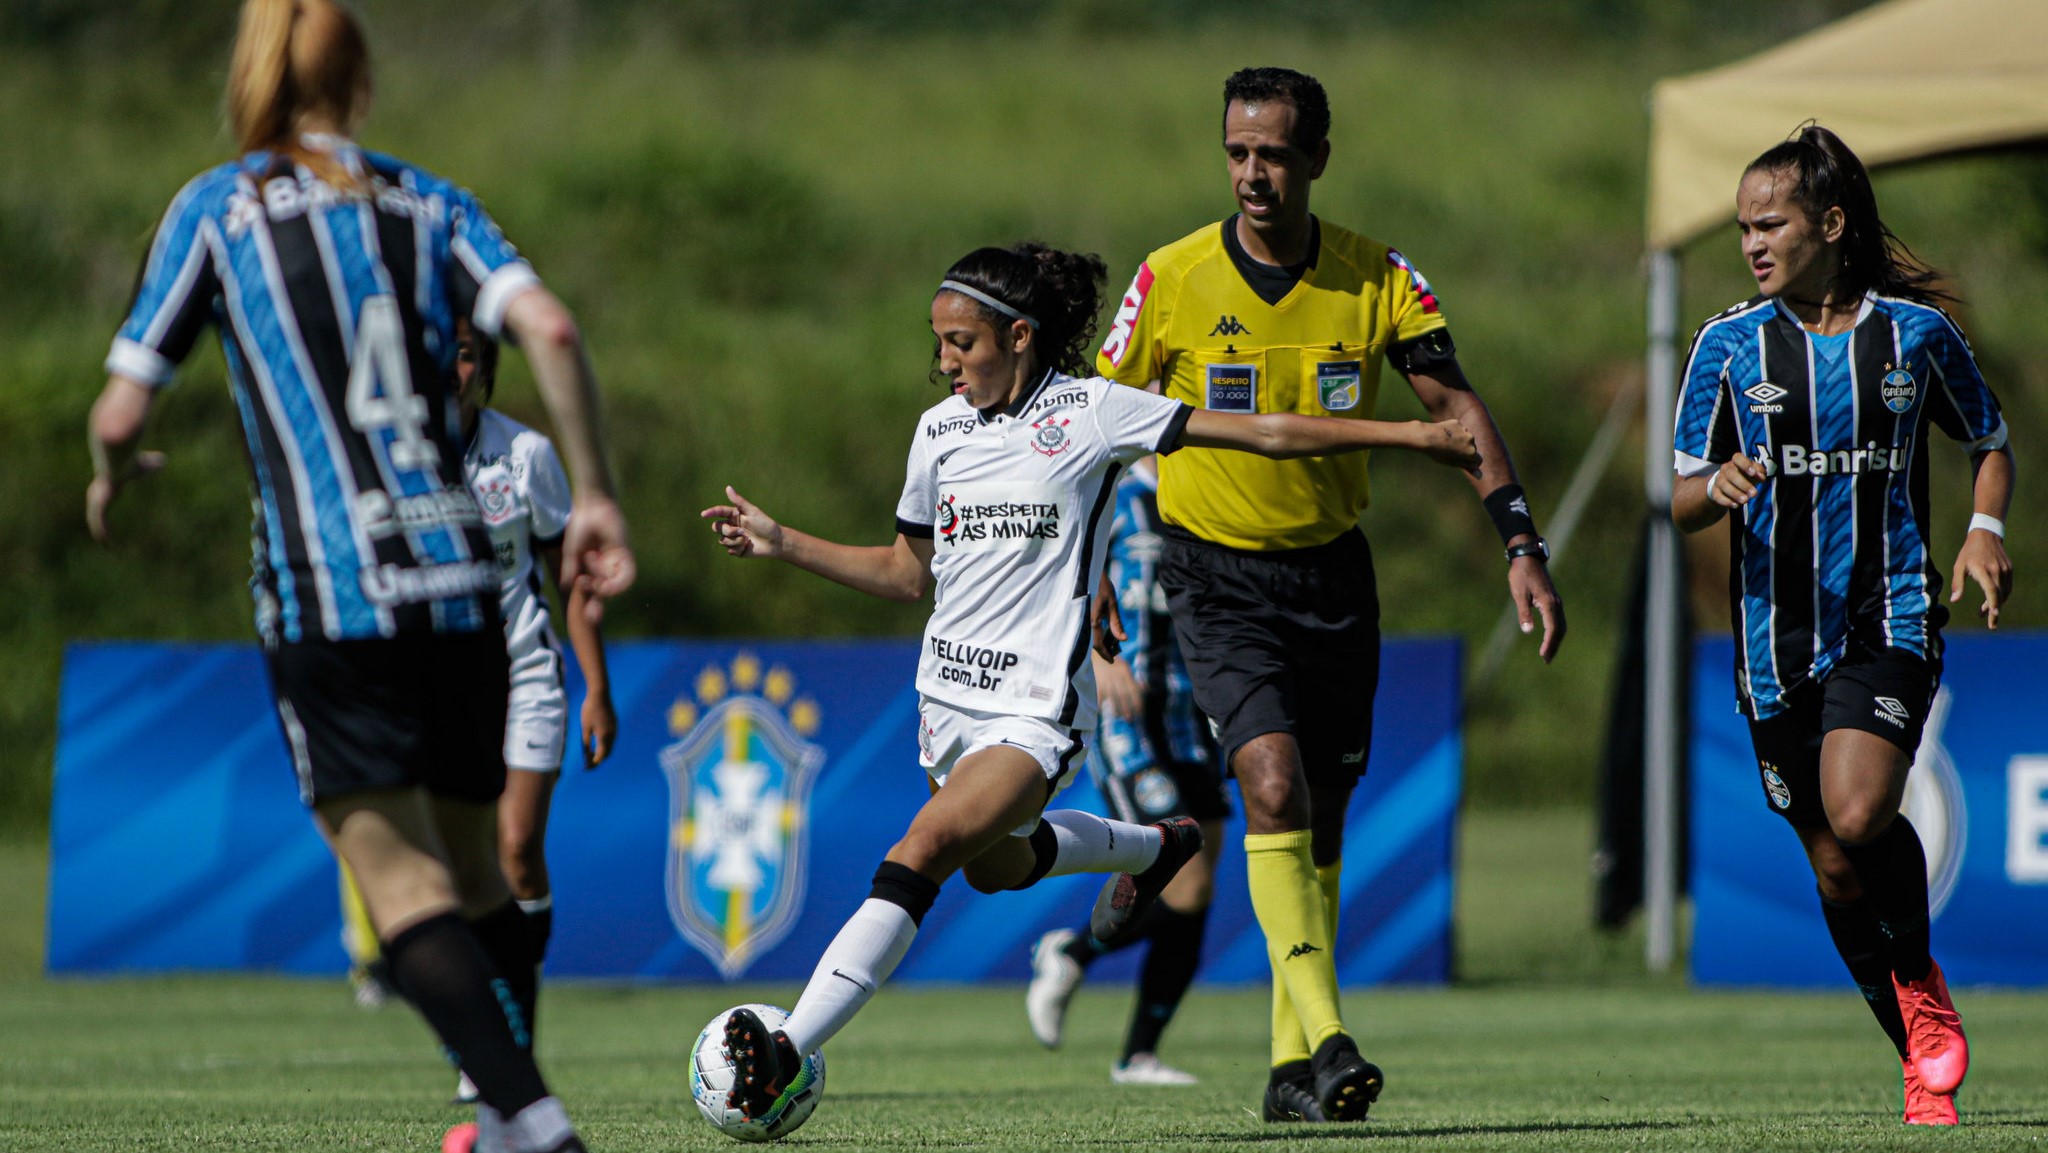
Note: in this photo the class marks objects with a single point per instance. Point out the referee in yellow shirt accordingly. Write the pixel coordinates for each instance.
(1268, 577)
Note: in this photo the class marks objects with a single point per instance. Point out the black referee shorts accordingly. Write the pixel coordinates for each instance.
(426, 711)
(1877, 690)
(1280, 642)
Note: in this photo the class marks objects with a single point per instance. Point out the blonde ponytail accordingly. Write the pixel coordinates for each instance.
(294, 58)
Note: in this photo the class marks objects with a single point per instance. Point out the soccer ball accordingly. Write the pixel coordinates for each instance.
(711, 1080)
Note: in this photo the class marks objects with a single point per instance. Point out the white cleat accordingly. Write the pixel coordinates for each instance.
(465, 1091)
(1148, 1069)
(1054, 977)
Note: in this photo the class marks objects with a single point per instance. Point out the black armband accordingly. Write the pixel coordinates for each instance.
(1509, 508)
(1431, 350)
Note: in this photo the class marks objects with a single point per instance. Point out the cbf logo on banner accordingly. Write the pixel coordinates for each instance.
(739, 779)
(1977, 795)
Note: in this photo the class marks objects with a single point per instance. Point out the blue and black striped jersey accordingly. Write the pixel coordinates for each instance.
(337, 314)
(1833, 550)
(1151, 650)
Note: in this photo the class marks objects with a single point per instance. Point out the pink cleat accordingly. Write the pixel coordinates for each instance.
(1934, 1032)
(459, 1138)
(1922, 1107)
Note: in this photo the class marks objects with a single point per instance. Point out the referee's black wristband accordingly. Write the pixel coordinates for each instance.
(1509, 508)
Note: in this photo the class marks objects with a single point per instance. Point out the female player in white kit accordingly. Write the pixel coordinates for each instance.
(523, 493)
(1005, 509)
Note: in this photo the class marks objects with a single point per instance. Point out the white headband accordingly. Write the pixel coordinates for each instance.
(969, 290)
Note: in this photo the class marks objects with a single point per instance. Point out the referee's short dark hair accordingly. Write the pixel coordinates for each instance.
(1311, 105)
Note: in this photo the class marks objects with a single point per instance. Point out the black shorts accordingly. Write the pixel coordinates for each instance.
(1143, 787)
(426, 711)
(1281, 642)
(1883, 691)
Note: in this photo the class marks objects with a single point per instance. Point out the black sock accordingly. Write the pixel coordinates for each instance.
(1893, 869)
(509, 941)
(1170, 962)
(445, 973)
(540, 929)
(1862, 946)
(1299, 1071)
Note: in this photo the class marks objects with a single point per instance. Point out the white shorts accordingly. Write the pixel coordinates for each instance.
(946, 733)
(536, 726)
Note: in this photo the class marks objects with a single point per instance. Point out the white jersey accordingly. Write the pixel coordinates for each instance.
(520, 485)
(1017, 504)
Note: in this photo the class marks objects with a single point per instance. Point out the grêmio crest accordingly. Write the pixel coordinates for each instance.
(739, 776)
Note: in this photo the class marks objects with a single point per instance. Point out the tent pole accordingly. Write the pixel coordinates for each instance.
(1661, 656)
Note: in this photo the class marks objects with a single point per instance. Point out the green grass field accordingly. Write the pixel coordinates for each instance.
(1552, 1040)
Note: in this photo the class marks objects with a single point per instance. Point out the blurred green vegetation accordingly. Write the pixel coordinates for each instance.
(747, 206)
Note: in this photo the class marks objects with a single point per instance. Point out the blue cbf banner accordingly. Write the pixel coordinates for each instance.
(752, 792)
(1978, 794)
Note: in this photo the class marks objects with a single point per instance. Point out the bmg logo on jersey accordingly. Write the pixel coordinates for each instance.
(739, 780)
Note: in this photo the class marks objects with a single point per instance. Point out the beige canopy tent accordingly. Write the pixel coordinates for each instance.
(1900, 81)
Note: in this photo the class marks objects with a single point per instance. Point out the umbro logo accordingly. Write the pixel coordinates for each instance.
(1890, 710)
(1227, 325)
(1301, 950)
(1766, 395)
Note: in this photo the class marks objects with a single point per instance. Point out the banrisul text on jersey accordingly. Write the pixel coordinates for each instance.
(1839, 531)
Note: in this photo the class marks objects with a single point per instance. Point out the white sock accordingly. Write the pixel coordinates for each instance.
(855, 964)
(1091, 844)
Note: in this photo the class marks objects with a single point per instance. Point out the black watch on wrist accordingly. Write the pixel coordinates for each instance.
(1538, 548)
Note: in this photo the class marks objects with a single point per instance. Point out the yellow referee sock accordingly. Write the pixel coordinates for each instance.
(1287, 897)
(357, 936)
(1288, 1043)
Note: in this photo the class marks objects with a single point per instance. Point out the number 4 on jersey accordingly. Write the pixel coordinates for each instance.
(380, 394)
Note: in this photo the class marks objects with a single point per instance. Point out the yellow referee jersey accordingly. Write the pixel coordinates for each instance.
(1191, 322)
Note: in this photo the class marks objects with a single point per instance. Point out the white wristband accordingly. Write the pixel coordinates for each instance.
(1988, 523)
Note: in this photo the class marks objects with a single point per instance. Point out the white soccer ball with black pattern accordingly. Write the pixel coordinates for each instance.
(711, 1081)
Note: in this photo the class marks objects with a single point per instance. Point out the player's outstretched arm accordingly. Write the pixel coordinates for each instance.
(596, 556)
(1982, 558)
(899, 572)
(1281, 435)
(113, 433)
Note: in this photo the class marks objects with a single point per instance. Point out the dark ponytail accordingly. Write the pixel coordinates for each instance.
(1828, 175)
(1062, 291)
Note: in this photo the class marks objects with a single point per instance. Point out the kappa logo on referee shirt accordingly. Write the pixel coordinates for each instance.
(1228, 325)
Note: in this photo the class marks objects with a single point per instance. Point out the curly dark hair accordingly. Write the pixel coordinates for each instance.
(1305, 92)
(1062, 291)
(1830, 176)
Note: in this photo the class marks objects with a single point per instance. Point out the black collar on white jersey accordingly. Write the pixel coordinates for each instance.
(1016, 407)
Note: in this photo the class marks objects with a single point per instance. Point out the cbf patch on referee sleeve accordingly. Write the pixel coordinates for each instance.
(1232, 388)
(1337, 384)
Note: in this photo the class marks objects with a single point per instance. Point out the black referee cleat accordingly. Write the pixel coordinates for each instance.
(763, 1061)
(1123, 901)
(1346, 1083)
(1291, 1095)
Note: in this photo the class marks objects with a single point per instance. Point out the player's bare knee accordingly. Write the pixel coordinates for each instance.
(1859, 822)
